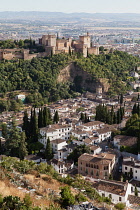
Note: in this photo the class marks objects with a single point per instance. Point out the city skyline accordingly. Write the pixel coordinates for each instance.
(93, 6)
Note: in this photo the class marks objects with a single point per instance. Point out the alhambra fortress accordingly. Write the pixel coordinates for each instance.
(53, 45)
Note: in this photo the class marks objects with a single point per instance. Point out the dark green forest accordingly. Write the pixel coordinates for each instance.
(39, 76)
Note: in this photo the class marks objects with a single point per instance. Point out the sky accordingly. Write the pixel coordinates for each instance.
(69, 6)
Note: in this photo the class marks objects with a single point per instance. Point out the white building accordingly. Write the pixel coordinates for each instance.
(54, 132)
(58, 144)
(79, 134)
(95, 149)
(94, 125)
(122, 140)
(116, 191)
(21, 97)
(130, 166)
(104, 134)
(60, 166)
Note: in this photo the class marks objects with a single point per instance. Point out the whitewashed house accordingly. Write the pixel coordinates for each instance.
(94, 125)
(95, 149)
(116, 191)
(60, 166)
(132, 167)
(122, 140)
(104, 134)
(56, 131)
(58, 144)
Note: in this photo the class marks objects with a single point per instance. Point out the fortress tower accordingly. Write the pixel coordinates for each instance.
(49, 40)
(85, 40)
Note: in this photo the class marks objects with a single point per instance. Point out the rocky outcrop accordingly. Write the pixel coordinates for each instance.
(83, 79)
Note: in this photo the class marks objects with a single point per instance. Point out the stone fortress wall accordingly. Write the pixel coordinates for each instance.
(53, 45)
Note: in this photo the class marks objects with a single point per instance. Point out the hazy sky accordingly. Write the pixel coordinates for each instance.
(92, 6)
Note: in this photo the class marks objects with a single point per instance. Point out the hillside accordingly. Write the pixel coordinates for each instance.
(62, 75)
(43, 185)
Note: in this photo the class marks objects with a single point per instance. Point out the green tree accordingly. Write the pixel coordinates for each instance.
(136, 191)
(120, 206)
(67, 197)
(80, 198)
(26, 124)
(56, 117)
(4, 130)
(48, 150)
(27, 201)
(82, 117)
(11, 203)
(22, 147)
(79, 150)
(121, 99)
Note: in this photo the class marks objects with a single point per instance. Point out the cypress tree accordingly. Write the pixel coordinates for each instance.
(108, 117)
(22, 147)
(118, 116)
(86, 119)
(56, 117)
(25, 126)
(35, 128)
(134, 110)
(112, 115)
(121, 99)
(48, 150)
(40, 119)
(49, 117)
(4, 130)
(82, 116)
(45, 117)
(31, 124)
(114, 118)
(69, 50)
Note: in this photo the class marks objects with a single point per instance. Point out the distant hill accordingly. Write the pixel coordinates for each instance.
(35, 15)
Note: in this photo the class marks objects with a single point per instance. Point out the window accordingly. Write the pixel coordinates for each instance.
(81, 163)
(125, 168)
(103, 195)
(81, 168)
(120, 199)
(135, 171)
(105, 167)
(105, 173)
(135, 177)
